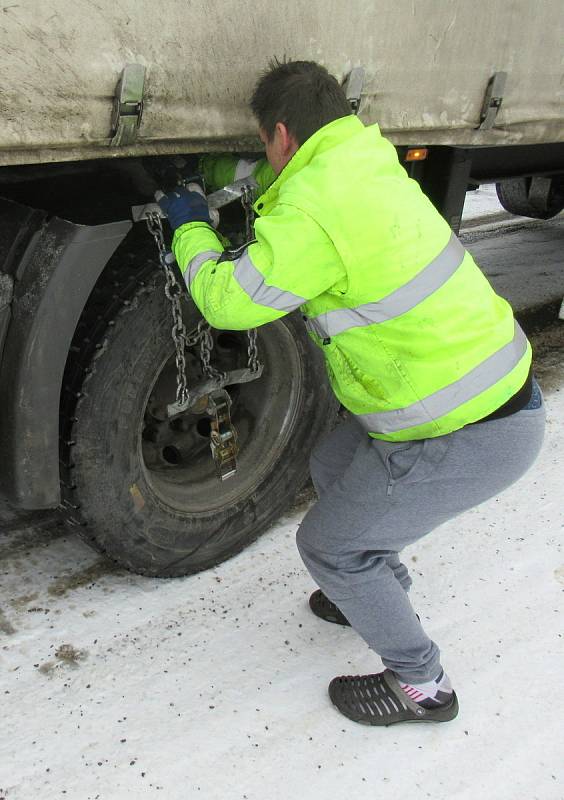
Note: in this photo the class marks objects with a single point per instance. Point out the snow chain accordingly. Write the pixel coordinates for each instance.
(173, 293)
(211, 398)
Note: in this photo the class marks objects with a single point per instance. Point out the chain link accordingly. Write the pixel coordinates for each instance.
(252, 350)
(173, 292)
(206, 346)
(247, 203)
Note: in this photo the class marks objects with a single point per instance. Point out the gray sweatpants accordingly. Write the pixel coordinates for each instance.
(376, 497)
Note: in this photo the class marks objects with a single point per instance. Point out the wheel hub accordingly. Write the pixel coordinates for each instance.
(176, 452)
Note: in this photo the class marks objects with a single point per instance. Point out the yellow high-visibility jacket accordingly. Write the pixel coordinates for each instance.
(417, 344)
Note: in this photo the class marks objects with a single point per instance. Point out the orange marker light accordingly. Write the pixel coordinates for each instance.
(416, 154)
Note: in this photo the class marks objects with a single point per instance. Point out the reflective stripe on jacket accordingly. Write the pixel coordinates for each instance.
(417, 344)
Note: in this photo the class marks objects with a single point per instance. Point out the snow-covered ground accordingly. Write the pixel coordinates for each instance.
(214, 686)
(481, 202)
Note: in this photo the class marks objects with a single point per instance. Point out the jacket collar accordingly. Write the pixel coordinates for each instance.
(332, 134)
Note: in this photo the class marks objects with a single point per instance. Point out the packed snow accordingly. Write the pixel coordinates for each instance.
(482, 202)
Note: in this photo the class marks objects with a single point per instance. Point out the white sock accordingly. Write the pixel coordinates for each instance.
(431, 693)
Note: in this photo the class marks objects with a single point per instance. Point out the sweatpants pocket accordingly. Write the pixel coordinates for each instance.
(414, 461)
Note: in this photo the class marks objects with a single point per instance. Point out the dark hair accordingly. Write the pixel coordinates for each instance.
(301, 94)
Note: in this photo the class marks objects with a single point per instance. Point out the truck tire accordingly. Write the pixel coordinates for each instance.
(143, 490)
(538, 197)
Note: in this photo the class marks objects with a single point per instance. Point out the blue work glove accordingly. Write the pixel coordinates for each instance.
(183, 205)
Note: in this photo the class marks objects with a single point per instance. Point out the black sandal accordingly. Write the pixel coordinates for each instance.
(380, 700)
(323, 607)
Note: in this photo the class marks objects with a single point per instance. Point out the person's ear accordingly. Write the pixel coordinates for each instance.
(288, 143)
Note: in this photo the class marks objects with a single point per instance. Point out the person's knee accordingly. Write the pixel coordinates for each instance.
(313, 547)
(305, 541)
(322, 566)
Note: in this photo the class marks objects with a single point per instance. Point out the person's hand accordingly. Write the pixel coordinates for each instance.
(184, 205)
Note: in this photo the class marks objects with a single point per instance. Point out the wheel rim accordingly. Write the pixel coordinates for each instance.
(176, 457)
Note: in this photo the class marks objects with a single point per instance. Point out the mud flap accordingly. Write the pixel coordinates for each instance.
(52, 282)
